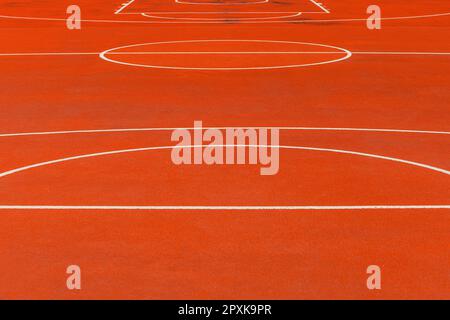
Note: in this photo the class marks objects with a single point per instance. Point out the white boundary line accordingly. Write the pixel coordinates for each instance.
(215, 22)
(121, 130)
(401, 53)
(228, 208)
(128, 207)
(122, 151)
(121, 53)
(347, 55)
(405, 53)
(225, 208)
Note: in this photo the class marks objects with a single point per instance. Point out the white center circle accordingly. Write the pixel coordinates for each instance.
(225, 54)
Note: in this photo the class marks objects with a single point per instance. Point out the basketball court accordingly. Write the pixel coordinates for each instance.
(86, 176)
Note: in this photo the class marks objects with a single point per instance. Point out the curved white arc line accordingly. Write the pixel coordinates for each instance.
(224, 208)
(347, 53)
(88, 131)
(217, 12)
(369, 155)
(206, 22)
(151, 15)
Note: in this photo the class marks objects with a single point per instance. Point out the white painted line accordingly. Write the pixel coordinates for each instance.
(221, 12)
(221, 22)
(347, 55)
(193, 2)
(124, 6)
(225, 208)
(157, 14)
(405, 53)
(229, 17)
(402, 53)
(123, 151)
(27, 54)
(217, 12)
(120, 130)
(320, 5)
(171, 53)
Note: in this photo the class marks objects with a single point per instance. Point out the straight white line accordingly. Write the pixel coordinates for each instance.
(320, 6)
(124, 6)
(90, 131)
(400, 53)
(221, 4)
(220, 22)
(18, 54)
(25, 54)
(224, 208)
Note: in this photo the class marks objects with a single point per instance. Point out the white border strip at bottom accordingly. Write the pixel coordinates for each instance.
(225, 208)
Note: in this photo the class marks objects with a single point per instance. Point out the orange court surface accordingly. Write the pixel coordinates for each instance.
(86, 176)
